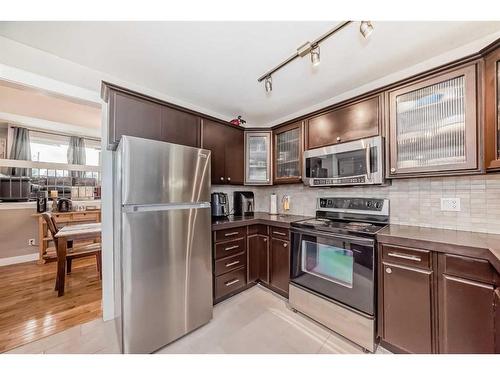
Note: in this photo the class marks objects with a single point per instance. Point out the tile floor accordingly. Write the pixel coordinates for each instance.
(256, 321)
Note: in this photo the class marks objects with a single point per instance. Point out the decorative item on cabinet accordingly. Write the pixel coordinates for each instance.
(238, 121)
(258, 158)
(433, 125)
(288, 150)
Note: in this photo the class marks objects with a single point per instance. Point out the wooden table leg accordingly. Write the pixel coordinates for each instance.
(62, 247)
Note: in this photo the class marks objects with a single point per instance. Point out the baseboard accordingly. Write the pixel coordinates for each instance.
(19, 259)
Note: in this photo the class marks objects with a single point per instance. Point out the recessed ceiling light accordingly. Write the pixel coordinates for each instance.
(366, 28)
(269, 84)
(315, 60)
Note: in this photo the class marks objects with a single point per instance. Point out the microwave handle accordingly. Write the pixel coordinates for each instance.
(368, 162)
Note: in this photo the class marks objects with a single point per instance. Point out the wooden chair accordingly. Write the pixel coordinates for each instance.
(73, 252)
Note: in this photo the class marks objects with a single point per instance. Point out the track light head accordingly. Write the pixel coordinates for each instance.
(268, 84)
(315, 58)
(366, 28)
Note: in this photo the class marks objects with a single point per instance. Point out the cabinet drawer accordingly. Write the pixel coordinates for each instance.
(277, 232)
(405, 256)
(469, 268)
(230, 282)
(257, 229)
(225, 249)
(85, 216)
(230, 263)
(229, 234)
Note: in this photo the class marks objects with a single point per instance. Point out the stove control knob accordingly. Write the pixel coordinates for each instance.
(388, 270)
(369, 203)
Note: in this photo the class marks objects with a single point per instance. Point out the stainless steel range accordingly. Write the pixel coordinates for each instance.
(333, 265)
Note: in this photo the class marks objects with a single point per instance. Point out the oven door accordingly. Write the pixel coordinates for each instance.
(339, 267)
(351, 163)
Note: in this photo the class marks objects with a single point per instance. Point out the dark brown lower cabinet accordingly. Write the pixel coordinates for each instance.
(437, 302)
(407, 304)
(258, 253)
(466, 306)
(280, 265)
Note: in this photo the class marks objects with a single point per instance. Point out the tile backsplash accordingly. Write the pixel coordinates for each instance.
(412, 201)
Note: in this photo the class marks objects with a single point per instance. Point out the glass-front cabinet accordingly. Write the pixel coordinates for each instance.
(492, 110)
(433, 124)
(257, 158)
(288, 151)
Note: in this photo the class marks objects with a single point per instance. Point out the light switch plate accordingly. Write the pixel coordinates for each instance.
(450, 204)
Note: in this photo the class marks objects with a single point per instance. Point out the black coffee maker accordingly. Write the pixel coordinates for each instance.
(244, 203)
(41, 201)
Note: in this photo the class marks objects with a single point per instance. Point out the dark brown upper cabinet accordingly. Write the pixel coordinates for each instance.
(432, 125)
(131, 115)
(180, 127)
(492, 110)
(349, 122)
(288, 150)
(466, 305)
(227, 146)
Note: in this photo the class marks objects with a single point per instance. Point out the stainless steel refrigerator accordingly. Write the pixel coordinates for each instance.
(163, 262)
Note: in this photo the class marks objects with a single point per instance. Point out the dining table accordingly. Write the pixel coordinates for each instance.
(78, 232)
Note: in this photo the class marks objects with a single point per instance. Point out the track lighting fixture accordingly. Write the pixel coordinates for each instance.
(312, 48)
(269, 84)
(366, 28)
(315, 56)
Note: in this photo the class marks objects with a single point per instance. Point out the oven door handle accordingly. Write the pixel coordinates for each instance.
(368, 162)
(353, 239)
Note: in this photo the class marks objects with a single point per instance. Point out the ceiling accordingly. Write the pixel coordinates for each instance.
(215, 65)
(35, 104)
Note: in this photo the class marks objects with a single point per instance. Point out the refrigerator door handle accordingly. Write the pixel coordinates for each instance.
(164, 207)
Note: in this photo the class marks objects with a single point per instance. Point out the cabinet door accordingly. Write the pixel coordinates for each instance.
(253, 251)
(264, 259)
(492, 110)
(288, 152)
(258, 253)
(180, 127)
(258, 158)
(497, 320)
(213, 139)
(347, 123)
(433, 125)
(130, 115)
(280, 265)
(466, 316)
(234, 155)
(406, 308)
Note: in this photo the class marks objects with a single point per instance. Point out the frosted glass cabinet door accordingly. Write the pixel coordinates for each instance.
(433, 124)
(257, 158)
(288, 153)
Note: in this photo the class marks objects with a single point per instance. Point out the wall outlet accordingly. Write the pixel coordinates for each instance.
(450, 204)
(31, 242)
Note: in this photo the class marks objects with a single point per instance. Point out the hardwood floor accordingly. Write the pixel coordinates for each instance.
(30, 308)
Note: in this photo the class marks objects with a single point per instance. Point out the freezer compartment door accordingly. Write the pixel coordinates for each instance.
(166, 275)
(156, 172)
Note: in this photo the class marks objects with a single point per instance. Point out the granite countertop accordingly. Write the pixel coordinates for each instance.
(474, 244)
(281, 220)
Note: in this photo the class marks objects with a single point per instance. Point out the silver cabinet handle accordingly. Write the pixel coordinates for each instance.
(229, 178)
(338, 139)
(232, 263)
(393, 170)
(231, 234)
(285, 244)
(407, 257)
(222, 178)
(388, 270)
(229, 283)
(279, 233)
(231, 247)
(265, 239)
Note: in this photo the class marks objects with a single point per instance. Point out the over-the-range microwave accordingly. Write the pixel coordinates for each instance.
(352, 163)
